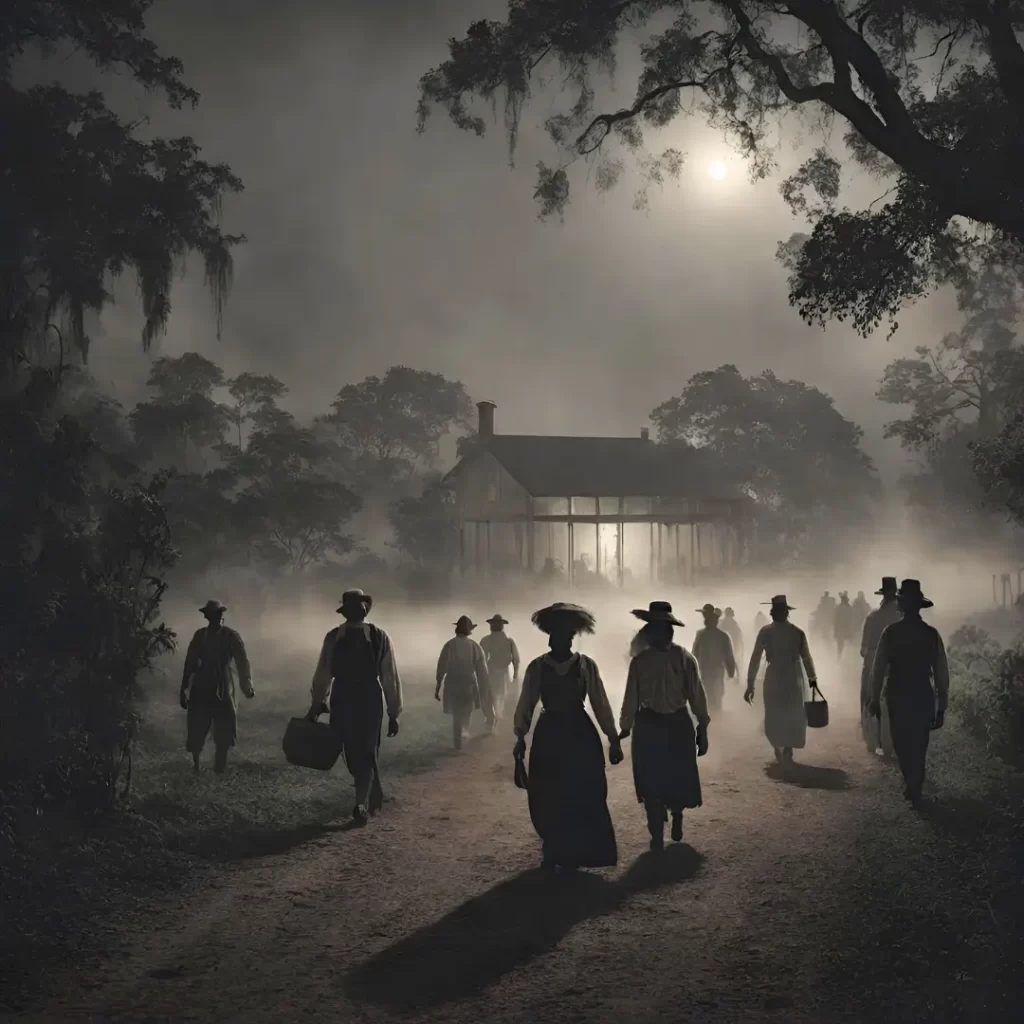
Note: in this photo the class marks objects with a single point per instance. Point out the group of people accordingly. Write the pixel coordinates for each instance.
(669, 699)
(840, 622)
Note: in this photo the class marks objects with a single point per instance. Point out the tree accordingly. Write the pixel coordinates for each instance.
(782, 443)
(182, 416)
(425, 525)
(255, 398)
(392, 424)
(950, 145)
(82, 197)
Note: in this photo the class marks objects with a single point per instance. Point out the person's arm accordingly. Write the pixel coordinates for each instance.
(599, 701)
(191, 663)
(696, 697)
(879, 667)
(322, 674)
(480, 665)
(442, 666)
(630, 699)
(527, 701)
(730, 656)
(390, 680)
(805, 657)
(940, 672)
(864, 648)
(755, 660)
(244, 668)
(515, 660)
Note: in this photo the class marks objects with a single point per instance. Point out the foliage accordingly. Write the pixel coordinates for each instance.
(83, 198)
(394, 424)
(425, 525)
(999, 464)
(942, 126)
(182, 417)
(81, 568)
(987, 692)
(782, 442)
(255, 396)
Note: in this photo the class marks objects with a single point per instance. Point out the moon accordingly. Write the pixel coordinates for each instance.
(717, 170)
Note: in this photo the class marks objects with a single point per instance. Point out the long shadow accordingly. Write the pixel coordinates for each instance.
(520, 919)
(809, 776)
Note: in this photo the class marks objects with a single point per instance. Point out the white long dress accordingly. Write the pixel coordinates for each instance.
(785, 648)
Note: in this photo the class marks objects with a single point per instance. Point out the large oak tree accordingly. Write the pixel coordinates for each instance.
(931, 92)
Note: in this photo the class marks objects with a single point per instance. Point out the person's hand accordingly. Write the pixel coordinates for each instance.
(183, 700)
(519, 750)
(312, 714)
(749, 695)
(702, 742)
(250, 693)
(437, 693)
(812, 683)
(392, 726)
(624, 735)
(940, 717)
(874, 709)
(615, 754)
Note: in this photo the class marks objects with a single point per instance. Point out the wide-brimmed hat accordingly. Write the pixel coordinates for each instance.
(561, 614)
(497, 620)
(355, 596)
(213, 608)
(910, 590)
(466, 623)
(709, 609)
(657, 611)
(888, 586)
(779, 601)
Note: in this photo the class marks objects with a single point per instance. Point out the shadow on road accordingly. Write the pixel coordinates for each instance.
(809, 776)
(521, 918)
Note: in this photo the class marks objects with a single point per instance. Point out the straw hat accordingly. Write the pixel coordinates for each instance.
(561, 614)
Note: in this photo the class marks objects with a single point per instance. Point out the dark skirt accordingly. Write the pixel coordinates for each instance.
(568, 791)
(665, 760)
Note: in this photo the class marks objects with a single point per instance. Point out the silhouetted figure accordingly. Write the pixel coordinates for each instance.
(712, 648)
(861, 610)
(876, 730)
(208, 686)
(663, 678)
(785, 647)
(844, 625)
(760, 621)
(357, 676)
(567, 788)
(502, 654)
(732, 627)
(910, 664)
(462, 673)
(823, 618)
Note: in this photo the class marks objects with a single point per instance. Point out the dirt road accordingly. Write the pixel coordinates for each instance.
(817, 899)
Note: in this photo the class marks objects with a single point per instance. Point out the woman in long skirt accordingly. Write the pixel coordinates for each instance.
(567, 787)
(785, 648)
(663, 679)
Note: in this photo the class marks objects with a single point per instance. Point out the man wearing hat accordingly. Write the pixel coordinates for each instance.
(357, 667)
(910, 664)
(462, 673)
(785, 648)
(712, 647)
(876, 731)
(502, 654)
(208, 686)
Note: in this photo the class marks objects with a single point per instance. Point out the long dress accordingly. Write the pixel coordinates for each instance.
(785, 647)
(568, 788)
(660, 685)
(357, 665)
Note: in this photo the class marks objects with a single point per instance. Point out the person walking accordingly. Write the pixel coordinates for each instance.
(663, 679)
(876, 731)
(462, 674)
(712, 647)
(502, 655)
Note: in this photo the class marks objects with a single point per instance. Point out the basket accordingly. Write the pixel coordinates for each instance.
(816, 710)
(310, 744)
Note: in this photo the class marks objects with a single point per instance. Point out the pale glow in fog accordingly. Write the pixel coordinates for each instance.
(718, 170)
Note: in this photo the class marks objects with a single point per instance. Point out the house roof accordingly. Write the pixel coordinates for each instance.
(593, 467)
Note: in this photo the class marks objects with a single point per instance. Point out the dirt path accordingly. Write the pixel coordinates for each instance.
(780, 905)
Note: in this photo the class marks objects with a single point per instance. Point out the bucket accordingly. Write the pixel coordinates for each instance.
(816, 710)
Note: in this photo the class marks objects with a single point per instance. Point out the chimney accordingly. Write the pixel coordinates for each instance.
(485, 418)
(645, 434)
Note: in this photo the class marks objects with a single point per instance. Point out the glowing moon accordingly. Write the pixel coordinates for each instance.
(717, 170)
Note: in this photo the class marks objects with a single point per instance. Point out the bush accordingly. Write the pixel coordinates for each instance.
(987, 692)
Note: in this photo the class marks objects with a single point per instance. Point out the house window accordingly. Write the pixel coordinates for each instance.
(608, 506)
(583, 506)
(492, 491)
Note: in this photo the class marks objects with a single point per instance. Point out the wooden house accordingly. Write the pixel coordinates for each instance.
(624, 508)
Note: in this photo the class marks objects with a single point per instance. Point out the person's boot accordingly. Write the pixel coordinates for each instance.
(220, 762)
(778, 754)
(360, 815)
(656, 826)
(195, 763)
(677, 826)
(787, 755)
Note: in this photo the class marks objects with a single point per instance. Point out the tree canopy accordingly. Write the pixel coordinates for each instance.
(82, 197)
(931, 92)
